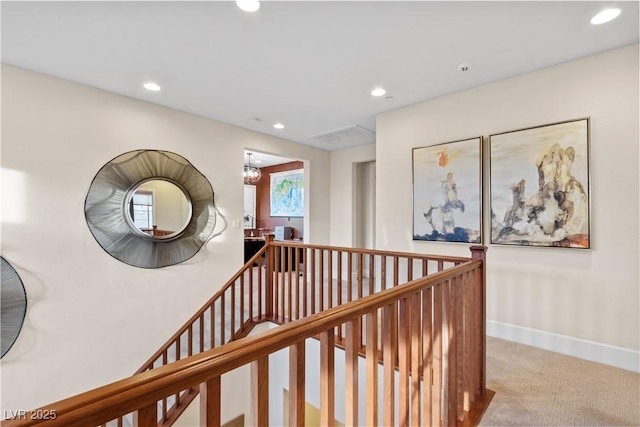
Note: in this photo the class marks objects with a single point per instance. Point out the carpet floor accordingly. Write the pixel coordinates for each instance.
(535, 387)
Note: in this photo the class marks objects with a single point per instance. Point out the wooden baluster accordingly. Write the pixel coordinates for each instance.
(233, 312)
(212, 319)
(452, 351)
(313, 281)
(352, 345)
(436, 358)
(396, 271)
(250, 312)
(290, 284)
(389, 323)
(164, 408)
(305, 284)
(201, 330)
(469, 395)
(339, 290)
(327, 378)
(383, 272)
(416, 354)
(360, 274)
(210, 409)
(396, 282)
(350, 278)
(409, 269)
(222, 319)
(190, 340)
(321, 279)
(440, 265)
(372, 369)
(242, 307)
(297, 384)
(260, 283)
(404, 355)
(177, 347)
(330, 279)
(371, 291)
(372, 275)
(298, 252)
(268, 279)
(146, 417)
(276, 282)
(281, 276)
(262, 377)
(459, 348)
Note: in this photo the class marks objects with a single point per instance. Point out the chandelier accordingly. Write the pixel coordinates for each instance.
(251, 173)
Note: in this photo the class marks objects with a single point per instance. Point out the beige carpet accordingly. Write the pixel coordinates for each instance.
(535, 387)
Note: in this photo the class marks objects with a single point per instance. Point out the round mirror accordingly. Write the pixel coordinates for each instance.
(158, 208)
(183, 221)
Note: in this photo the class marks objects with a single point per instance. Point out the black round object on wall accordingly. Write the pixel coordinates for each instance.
(13, 306)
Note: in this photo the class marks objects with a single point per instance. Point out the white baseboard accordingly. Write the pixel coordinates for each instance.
(596, 352)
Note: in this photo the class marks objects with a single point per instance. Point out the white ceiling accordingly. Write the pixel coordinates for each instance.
(309, 65)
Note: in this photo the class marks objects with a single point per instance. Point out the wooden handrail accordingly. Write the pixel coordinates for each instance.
(431, 257)
(142, 390)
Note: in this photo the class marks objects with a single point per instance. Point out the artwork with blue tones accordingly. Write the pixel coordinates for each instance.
(287, 193)
(447, 192)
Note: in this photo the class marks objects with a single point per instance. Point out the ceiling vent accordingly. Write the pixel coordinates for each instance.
(350, 134)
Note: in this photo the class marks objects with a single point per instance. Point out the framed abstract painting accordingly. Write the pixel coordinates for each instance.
(447, 192)
(286, 193)
(540, 186)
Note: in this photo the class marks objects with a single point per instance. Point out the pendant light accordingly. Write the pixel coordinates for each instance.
(251, 173)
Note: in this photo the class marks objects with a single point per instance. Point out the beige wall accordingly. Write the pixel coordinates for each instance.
(344, 191)
(92, 319)
(590, 295)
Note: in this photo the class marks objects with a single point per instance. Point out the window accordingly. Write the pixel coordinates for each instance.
(250, 221)
(141, 209)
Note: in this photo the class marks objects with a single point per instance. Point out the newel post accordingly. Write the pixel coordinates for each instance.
(268, 275)
(479, 252)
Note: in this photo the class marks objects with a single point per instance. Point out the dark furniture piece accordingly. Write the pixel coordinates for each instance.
(251, 247)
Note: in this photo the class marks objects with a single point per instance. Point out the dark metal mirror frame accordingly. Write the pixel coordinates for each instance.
(105, 208)
(14, 306)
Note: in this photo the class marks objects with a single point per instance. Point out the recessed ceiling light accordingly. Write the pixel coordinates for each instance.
(605, 16)
(378, 91)
(152, 86)
(248, 5)
(278, 126)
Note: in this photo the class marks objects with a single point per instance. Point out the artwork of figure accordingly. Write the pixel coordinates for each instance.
(447, 192)
(555, 212)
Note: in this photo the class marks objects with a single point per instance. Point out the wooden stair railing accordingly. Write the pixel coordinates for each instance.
(285, 281)
(433, 316)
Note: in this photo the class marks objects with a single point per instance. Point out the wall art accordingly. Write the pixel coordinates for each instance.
(447, 192)
(539, 179)
(287, 193)
(110, 214)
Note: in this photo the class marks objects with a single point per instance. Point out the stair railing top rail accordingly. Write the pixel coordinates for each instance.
(141, 390)
(413, 255)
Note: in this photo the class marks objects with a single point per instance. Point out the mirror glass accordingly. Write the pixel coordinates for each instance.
(159, 208)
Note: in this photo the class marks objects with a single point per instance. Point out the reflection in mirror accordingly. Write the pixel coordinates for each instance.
(159, 208)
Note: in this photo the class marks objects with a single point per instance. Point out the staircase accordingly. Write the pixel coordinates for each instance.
(421, 317)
